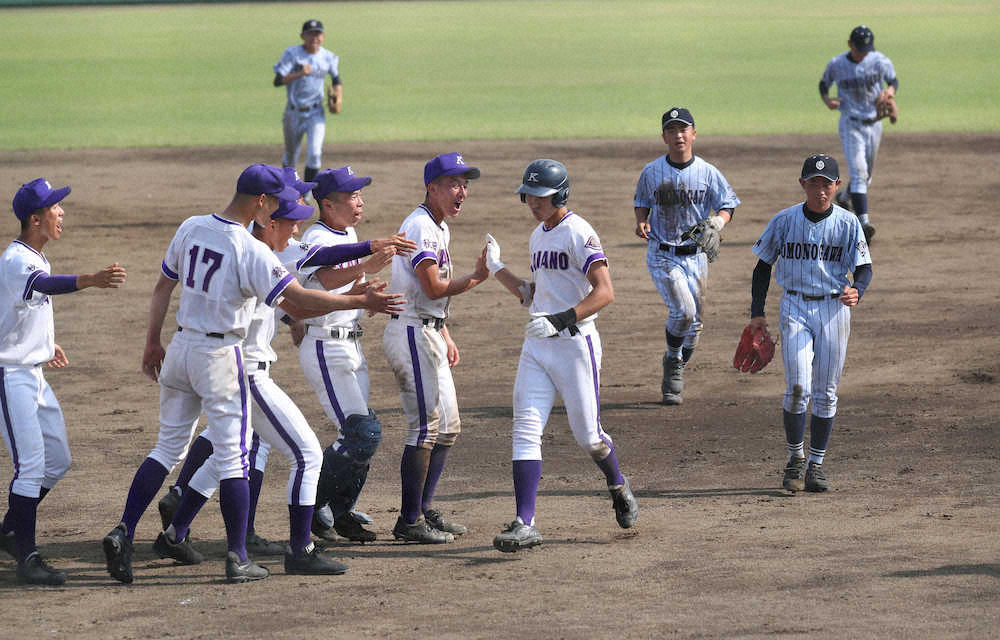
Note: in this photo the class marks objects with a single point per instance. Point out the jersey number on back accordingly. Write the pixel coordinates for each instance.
(212, 258)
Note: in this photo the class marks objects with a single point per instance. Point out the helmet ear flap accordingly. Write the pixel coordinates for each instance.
(560, 198)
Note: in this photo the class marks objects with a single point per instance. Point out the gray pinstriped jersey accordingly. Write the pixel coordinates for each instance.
(859, 83)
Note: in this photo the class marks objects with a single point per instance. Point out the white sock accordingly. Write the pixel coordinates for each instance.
(796, 451)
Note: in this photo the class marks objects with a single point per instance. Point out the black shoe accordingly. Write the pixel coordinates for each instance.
(420, 532)
(626, 506)
(310, 562)
(323, 529)
(843, 200)
(517, 536)
(167, 506)
(118, 552)
(436, 520)
(260, 546)
(34, 570)
(181, 551)
(349, 527)
(248, 571)
(794, 479)
(8, 544)
(869, 232)
(815, 478)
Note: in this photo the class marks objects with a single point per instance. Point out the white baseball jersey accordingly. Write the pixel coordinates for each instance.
(320, 234)
(432, 244)
(859, 83)
(307, 90)
(560, 259)
(27, 334)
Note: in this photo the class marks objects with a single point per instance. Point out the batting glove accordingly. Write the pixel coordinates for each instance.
(546, 326)
(493, 254)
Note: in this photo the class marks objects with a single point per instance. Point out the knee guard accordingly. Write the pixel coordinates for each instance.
(340, 481)
(361, 436)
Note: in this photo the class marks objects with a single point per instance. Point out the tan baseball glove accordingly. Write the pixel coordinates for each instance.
(886, 107)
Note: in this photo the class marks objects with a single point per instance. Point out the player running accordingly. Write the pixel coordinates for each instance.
(561, 354)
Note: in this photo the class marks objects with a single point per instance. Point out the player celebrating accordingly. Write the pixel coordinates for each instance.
(676, 192)
(562, 349)
(31, 421)
(815, 244)
(420, 349)
(861, 75)
(303, 68)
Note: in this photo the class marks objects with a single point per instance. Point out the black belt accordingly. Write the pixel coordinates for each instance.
(865, 121)
(220, 336)
(306, 108)
(343, 333)
(261, 366)
(681, 250)
(437, 322)
(808, 297)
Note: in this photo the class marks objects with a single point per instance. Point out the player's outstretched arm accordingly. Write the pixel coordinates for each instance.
(322, 302)
(435, 286)
(152, 356)
(403, 246)
(334, 278)
(519, 287)
(110, 277)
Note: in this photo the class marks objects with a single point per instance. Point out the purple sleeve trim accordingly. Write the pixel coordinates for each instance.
(50, 285)
(276, 291)
(167, 272)
(423, 255)
(309, 254)
(336, 254)
(593, 258)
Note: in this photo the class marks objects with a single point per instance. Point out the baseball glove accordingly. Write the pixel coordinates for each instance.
(755, 350)
(885, 106)
(706, 235)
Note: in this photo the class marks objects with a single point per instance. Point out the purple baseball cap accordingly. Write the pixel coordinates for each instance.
(36, 195)
(448, 164)
(821, 165)
(292, 211)
(260, 179)
(292, 180)
(342, 180)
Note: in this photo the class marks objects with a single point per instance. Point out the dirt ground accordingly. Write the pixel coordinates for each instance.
(904, 544)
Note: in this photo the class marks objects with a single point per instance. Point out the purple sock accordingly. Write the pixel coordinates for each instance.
(189, 506)
(21, 514)
(434, 468)
(199, 451)
(299, 520)
(234, 502)
(527, 473)
(609, 465)
(145, 485)
(256, 482)
(413, 473)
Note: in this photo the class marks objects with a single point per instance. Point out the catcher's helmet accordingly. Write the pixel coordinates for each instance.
(545, 177)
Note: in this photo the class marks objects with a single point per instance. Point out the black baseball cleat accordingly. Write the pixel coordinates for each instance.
(261, 546)
(321, 528)
(310, 562)
(183, 552)
(248, 571)
(794, 478)
(8, 544)
(626, 506)
(843, 200)
(34, 570)
(437, 520)
(816, 481)
(347, 526)
(167, 506)
(517, 536)
(420, 532)
(869, 232)
(118, 552)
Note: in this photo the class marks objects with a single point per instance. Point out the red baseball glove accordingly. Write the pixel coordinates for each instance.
(755, 350)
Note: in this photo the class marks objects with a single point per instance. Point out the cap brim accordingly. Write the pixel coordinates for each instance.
(293, 211)
(57, 195)
(304, 187)
(472, 173)
(809, 176)
(538, 191)
(287, 193)
(690, 124)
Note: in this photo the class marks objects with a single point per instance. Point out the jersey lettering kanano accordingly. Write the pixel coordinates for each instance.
(560, 259)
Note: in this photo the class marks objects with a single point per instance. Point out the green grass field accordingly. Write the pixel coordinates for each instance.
(182, 75)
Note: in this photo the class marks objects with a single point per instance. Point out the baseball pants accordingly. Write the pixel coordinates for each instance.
(814, 336)
(338, 372)
(312, 125)
(860, 143)
(681, 282)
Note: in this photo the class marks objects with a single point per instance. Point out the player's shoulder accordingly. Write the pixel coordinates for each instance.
(421, 218)
(18, 254)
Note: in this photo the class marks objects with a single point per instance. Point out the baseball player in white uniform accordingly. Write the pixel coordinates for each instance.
(815, 244)
(420, 349)
(561, 354)
(30, 417)
(223, 271)
(675, 192)
(861, 74)
(302, 69)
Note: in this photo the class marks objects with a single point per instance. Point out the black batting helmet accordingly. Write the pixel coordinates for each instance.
(545, 177)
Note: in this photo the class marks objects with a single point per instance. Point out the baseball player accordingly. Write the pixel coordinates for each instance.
(31, 420)
(420, 350)
(861, 74)
(675, 192)
(562, 349)
(331, 357)
(302, 69)
(815, 244)
(223, 271)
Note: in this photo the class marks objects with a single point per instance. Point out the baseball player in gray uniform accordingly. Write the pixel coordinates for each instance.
(223, 271)
(814, 245)
(861, 74)
(302, 69)
(30, 417)
(675, 192)
(570, 283)
(420, 349)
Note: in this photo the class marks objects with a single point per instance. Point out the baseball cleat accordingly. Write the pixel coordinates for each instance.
(672, 399)
(843, 200)
(260, 546)
(321, 527)
(436, 520)
(118, 552)
(310, 562)
(167, 506)
(517, 536)
(347, 526)
(815, 478)
(34, 570)
(183, 552)
(794, 479)
(673, 376)
(626, 506)
(248, 571)
(869, 232)
(8, 544)
(420, 532)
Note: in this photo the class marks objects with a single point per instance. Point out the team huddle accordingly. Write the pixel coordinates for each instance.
(242, 275)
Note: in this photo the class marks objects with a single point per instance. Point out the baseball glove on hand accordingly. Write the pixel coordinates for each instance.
(885, 106)
(706, 234)
(755, 350)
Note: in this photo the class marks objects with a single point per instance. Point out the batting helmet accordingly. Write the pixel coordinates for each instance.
(545, 177)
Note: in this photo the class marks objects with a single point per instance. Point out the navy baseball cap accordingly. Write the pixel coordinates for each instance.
(448, 164)
(312, 25)
(36, 195)
(260, 179)
(342, 180)
(292, 180)
(292, 211)
(677, 114)
(863, 39)
(821, 165)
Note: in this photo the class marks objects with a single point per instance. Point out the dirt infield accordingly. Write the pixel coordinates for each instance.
(905, 543)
